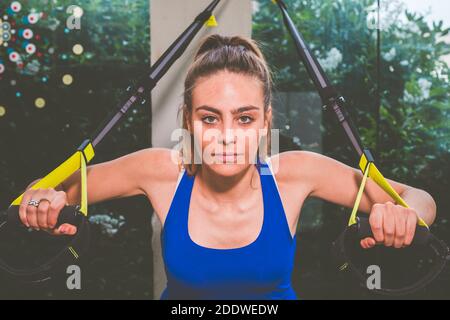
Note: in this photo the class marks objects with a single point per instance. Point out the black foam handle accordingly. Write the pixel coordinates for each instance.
(421, 236)
(69, 214)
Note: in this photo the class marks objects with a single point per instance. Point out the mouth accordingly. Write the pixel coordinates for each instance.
(225, 154)
(227, 157)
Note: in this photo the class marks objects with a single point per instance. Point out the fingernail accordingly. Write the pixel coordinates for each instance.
(62, 230)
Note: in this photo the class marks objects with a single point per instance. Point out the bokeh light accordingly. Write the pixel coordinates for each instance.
(40, 103)
(67, 79)
(78, 49)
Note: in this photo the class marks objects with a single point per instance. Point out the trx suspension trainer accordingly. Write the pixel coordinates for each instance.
(359, 227)
(77, 215)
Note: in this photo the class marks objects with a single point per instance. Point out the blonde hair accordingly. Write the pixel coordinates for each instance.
(217, 53)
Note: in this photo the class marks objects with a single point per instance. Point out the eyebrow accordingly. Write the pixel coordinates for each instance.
(234, 111)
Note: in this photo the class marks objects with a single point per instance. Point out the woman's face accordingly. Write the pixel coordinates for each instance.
(228, 119)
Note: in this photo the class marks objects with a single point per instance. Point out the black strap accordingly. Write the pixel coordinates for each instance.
(146, 83)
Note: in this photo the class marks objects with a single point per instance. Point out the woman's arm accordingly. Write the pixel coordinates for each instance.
(125, 176)
(137, 173)
(336, 182)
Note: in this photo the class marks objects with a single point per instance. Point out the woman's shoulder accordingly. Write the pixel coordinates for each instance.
(160, 163)
(287, 163)
(161, 178)
(294, 167)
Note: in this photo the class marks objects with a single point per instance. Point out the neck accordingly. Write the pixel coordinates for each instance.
(227, 189)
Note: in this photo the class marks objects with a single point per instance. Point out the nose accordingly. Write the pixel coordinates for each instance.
(227, 137)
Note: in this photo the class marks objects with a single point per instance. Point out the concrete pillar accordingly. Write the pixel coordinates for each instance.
(168, 19)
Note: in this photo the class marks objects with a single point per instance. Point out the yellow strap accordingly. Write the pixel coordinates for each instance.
(212, 22)
(64, 171)
(381, 181)
(84, 206)
(85, 156)
(352, 219)
(74, 253)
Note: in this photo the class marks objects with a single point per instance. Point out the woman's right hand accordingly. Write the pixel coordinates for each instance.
(45, 215)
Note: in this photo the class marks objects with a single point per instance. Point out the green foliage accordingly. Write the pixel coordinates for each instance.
(115, 36)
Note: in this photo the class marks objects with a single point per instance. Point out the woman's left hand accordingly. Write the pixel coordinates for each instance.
(392, 225)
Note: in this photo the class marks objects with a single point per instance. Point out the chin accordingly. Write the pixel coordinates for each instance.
(228, 169)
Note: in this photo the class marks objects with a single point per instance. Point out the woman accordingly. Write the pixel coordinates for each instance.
(228, 229)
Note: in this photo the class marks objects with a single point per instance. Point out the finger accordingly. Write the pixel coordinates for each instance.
(364, 244)
(400, 227)
(27, 196)
(368, 243)
(411, 223)
(63, 230)
(66, 229)
(32, 211)
(42, 213)
(388, 225)
(376, 222)
(56, 205)
(32, 215)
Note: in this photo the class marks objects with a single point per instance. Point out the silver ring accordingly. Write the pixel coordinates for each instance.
(34, 203)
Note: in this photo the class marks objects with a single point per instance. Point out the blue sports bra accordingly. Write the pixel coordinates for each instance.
(259, 270)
